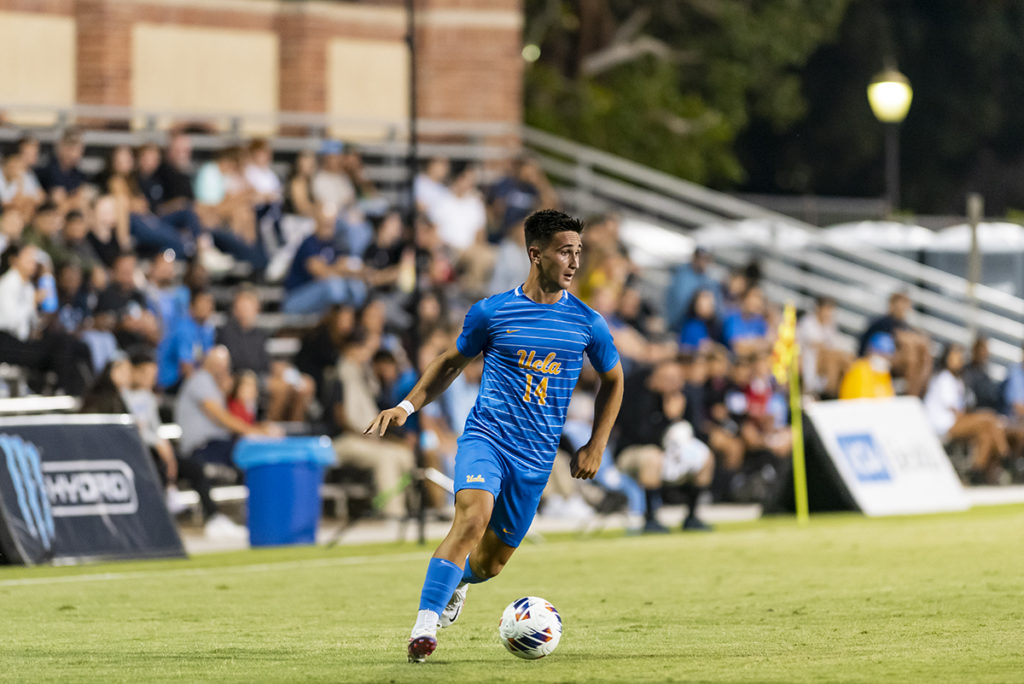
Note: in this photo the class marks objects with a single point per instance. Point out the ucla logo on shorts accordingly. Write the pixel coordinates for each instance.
(864, 457)
(475, 478)
(24, 465)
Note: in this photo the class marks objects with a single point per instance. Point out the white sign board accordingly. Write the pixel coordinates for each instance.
(888, 456)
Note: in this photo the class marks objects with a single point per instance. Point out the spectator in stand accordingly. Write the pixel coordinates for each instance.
(109, 234)
(736, 285)
(725, 443)
(222, 199)
(187, 342)
(143, 404)
(244, 398)
(1013, 392)
(656, 402)
(321, 346)
(151, 233)
(605, 265)
(430, 185)
(61, 178)
(22, 341)
(73, 295)
(985, 392)
(514, 197)
(945, 402)
(869, 376)
(12, 226)
(261, 178)
(17, 191)
(913, 358)
(320, 276)
(353, 407)
(332, 188)
(687, 280)
(386, 255)
(289, 393)
(104, 395)
(461, 220)
(511, 262)
(164, 295)
(701, 326)
(75, 237)
(45, 233)
(209, 430)
(28, 152)
(169, 188)
(135, 323)
(299, 199)
(634, 346)
(746, 331)
(824, 361)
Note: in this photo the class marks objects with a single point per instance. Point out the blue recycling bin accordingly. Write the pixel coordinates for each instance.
(283, 476)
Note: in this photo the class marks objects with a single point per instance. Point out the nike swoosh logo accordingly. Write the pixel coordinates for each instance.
(510, 331)
(505, 531)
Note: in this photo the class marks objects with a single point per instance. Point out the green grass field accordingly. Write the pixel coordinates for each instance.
(934, 598)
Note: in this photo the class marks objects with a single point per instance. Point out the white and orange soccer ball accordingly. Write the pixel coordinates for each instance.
(530, 628)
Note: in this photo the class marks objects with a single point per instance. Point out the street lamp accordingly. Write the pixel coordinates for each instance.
(889, 95)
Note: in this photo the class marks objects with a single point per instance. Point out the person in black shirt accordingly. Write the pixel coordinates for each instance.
(986, 391)
(321, 346)
(289, 392)
(913, 359)
(61, 178)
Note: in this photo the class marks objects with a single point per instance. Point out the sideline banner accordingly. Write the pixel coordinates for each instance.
(887, 456)
(76, 488)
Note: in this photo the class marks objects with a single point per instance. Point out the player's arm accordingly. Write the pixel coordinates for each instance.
(434, 381)
(587, 460)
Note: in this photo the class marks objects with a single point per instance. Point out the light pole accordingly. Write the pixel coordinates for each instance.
(889, 95)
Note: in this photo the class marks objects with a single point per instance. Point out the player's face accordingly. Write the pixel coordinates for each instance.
(559, 260)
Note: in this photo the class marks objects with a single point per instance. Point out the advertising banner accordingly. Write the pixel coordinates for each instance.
(80, 488)
(887, 456)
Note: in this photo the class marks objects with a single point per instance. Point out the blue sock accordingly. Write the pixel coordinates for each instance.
(469, 576)
(443, 577)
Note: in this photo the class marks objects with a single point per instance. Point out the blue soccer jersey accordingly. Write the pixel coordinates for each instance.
(533, 355)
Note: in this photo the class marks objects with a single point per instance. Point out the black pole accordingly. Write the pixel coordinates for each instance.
(412, 163)
(892, 166)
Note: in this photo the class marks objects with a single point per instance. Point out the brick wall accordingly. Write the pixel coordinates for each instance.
(469, 50)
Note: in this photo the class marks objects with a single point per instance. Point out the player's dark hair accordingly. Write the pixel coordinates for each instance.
(542, 225)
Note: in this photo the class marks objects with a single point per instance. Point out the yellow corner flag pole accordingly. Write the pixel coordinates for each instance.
(786, 367)
(796, 415)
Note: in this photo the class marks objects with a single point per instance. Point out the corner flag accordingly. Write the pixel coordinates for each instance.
(786, 368)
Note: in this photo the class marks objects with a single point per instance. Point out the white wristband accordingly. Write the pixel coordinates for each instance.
(407, 405)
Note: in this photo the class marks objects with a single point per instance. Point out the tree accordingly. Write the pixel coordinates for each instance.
(669, 83)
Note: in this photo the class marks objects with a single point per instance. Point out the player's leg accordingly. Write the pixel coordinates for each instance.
(700, 480)
(643, 463)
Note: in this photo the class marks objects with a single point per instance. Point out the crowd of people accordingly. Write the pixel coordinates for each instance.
(106, 290)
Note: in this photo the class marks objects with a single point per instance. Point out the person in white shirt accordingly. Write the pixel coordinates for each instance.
(945, 404)
(461, 220)
(21, 342)
(332, 187)
(824, 360)
(429, 187)
(260, 177)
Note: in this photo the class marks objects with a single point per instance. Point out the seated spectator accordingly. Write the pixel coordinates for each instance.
(61, 178)
(98, 335)
(135, 323)
(45, 233)
(373, 320)
(243, 400)
(430, 185)
(388, 257)
(289, 392)
(143, 405)
(635, 347)
(461, 220)
(17, 191)
(332, 189)
(701, 326)
(80, 249)
(23, 342)
(298, 198)
(30, 188)
(984, 390)
(604, 265)
(913, 358)
(109, 235)
(164, 295)
(73, 295)
(868, 376)
(746, 331)
(12, 227)
(261, 178)
(725, 443)
(687, 280)
(824, 361)
(184, 345)
(219, 200)
(353, 408)
(511, 262)
(945, 402)
(514, 197)
(209, 430)
(320, 348)
(320, 276)
(656, 403)
(1013, 392)
(150, 232)
(104, 395)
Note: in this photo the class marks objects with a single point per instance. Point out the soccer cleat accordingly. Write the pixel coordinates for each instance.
(420, 647)
(453, 610)
(652, 526)
(695, 524)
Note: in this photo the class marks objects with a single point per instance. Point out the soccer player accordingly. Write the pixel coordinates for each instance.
(533, 339)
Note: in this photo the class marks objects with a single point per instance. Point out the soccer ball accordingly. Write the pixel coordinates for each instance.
(530, 628)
